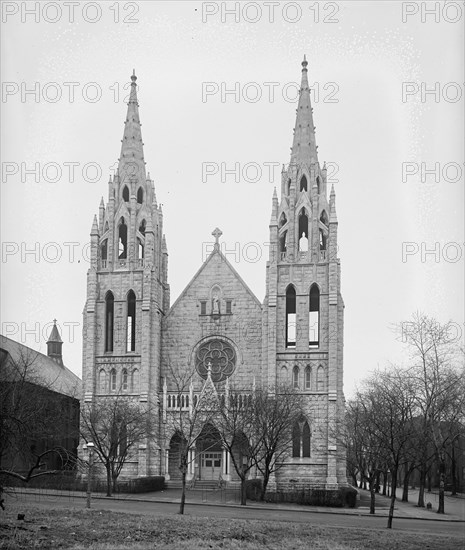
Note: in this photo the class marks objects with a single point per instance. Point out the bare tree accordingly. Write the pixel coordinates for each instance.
(387, 402)
(186, 418)
(115, 425)
(275, 412)
(367, 451)
(236, 423)
(437, 370)
(32, 421)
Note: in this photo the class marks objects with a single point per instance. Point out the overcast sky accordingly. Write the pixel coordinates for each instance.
(369, 63)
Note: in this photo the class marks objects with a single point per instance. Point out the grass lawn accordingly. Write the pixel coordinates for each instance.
(81, 529)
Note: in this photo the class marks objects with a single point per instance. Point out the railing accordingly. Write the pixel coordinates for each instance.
(323, 254)
(104, 264)
(140, 262)
(177, 401)
(191, 483)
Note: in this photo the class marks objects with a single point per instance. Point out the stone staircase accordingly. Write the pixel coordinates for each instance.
(205, 485)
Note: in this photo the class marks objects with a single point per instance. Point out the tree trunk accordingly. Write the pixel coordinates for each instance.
(384, 483)
(430, 478)
(372, 495)
(266, 478)
(108, 467)
(243, 491)
(393, 499)
(406, 480)
(183, 492)
(377, 482)
(421, 488)
(442, 468)
(454, 470)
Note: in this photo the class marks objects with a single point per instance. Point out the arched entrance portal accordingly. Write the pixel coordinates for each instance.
(177, 444)
(210, 453)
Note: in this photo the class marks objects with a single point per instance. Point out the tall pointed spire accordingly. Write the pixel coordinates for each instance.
(304, 149)
(131, 161)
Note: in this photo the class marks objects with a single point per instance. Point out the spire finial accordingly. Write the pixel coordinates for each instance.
(133, 77)
(304, 63)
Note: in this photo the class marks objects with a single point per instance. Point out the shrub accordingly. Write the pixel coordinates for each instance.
(344, 496)
(253, 488)
(67, 481)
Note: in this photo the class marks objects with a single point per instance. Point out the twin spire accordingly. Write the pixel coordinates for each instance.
(131, 161)
(304, 148)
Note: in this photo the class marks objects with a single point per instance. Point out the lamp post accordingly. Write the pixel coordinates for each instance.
(90, 447)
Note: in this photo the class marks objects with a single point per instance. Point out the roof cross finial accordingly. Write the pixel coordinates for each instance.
(217, 234)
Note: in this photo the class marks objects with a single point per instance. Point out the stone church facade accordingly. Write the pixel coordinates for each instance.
(134, 339)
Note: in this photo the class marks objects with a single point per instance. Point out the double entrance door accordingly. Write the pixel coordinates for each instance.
(210, 465)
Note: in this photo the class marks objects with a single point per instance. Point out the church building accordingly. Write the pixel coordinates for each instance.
(134, 338)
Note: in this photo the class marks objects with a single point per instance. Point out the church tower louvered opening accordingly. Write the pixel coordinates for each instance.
(127, 288)
(304, 309)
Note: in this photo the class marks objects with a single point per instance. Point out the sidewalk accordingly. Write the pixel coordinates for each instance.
(454, 506)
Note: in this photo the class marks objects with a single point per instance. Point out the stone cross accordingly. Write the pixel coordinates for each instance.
(217, 234)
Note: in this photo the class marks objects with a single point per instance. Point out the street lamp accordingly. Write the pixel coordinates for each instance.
(90, 447)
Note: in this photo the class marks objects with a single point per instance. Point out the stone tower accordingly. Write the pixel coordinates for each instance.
(303, 308)
(127, 290)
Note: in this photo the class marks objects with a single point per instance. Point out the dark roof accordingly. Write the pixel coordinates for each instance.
(54, 335)
(43, 369)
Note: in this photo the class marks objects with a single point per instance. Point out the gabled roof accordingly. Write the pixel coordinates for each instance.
(215, 251)
(43, 370)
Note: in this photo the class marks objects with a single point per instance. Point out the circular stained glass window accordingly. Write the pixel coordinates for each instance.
(219, 357)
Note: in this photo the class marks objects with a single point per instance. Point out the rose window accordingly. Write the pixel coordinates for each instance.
(219, 357)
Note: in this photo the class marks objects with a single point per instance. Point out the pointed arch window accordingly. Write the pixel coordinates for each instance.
(104, 250)
(122, 240)
(109, 320)
(135, 381)
(320, 380)
(142, 227)
(113, 380)
(318, 184)
(324, 218)
(303, 230)
(301, 439)
(125, 194)
(140, 249)
(283, 243)
(308, 377)
(303, 183)
(296, 440)
(290, 317)
(282, 220)
(306, 440)
(289, 187)
(131, 322)
(106, 227)
(102, 381)
(323, 240)
(314, 317)
(124, 381)
(140, 195)
(295, 377)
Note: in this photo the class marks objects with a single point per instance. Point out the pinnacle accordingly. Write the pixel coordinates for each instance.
(304, 150)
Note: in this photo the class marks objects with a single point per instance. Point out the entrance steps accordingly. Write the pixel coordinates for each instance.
(206, 485)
